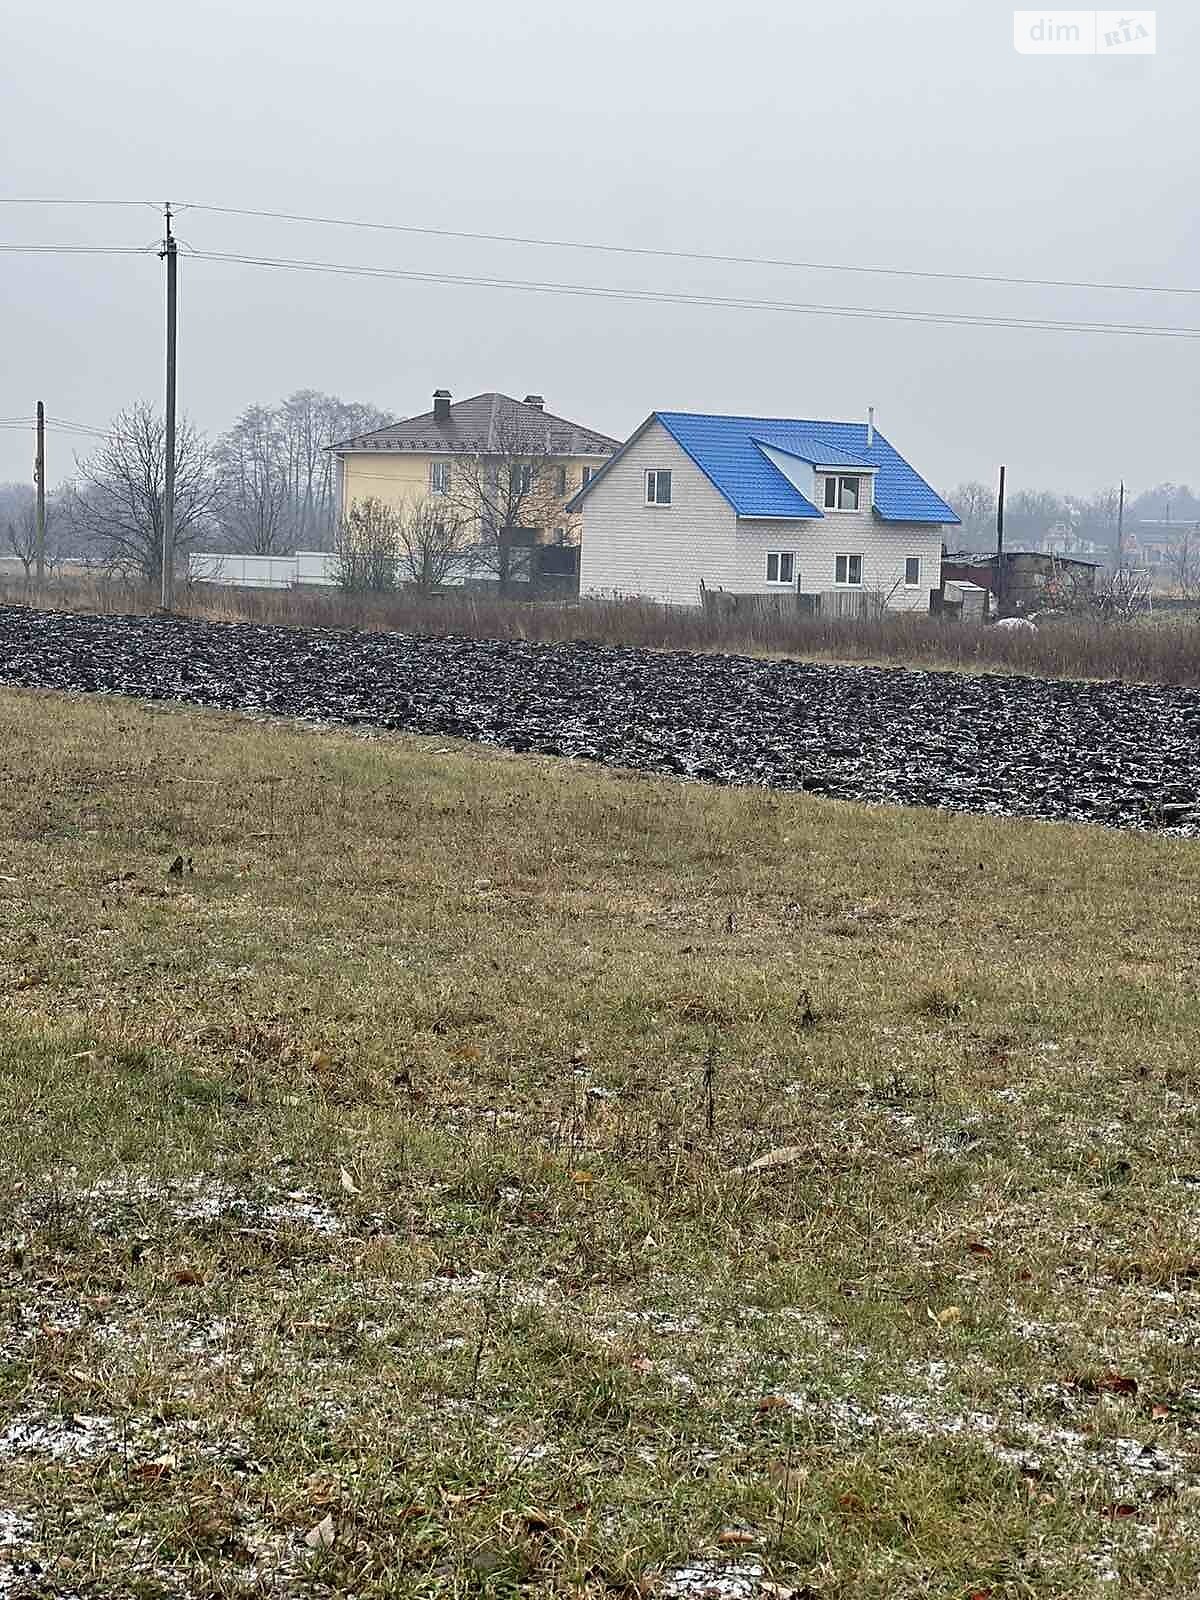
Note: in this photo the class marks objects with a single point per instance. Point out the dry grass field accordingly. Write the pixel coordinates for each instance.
(479, 1175)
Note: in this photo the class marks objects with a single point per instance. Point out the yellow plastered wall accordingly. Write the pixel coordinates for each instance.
(401, 478)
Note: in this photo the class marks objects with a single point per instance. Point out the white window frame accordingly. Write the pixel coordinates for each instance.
(520, 478)
(654, 477)
(836, 480)
(439, 477)
(779, 557)
(914, 583)
(561, 477)
(587, 475)
(848, 582)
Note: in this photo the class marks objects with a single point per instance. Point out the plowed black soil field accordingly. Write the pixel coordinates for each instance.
(1121, 754)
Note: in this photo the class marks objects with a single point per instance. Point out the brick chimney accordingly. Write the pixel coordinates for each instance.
(535, 400)
(441, 405)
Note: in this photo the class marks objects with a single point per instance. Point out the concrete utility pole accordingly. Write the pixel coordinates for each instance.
(39, 478)
(168, 549)
(1000, 547)
(1121, 525)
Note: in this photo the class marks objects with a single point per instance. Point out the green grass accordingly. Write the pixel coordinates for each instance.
(395, 1167)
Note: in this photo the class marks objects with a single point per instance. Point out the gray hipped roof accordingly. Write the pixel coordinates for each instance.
(487, 424)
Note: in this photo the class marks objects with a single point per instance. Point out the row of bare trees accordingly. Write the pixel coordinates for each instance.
(267, 487)
(263, 488)
(274, 473)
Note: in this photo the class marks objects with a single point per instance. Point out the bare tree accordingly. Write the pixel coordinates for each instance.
(21, 533)
(309, 422)
(429, 547)
(498, 494)
(1183, 563)
(254, 505)
(367, 547)
(118, 506)
(976, 506)
(1121, 595)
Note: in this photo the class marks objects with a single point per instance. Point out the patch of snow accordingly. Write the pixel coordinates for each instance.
(65, 1438)
(712, 1580)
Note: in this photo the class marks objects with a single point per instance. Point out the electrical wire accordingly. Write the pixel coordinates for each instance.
(694, 255)
(601, 247)
(722, 302)
(76, 249)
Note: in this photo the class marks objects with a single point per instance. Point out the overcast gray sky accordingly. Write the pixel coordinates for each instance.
(859, 132)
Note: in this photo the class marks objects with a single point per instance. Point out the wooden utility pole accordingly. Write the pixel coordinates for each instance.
(39, 478)
(168, 542)
(1000, 547)
(1120, 525)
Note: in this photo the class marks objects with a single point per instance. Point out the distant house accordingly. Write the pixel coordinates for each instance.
(761, 507)
(533, 461)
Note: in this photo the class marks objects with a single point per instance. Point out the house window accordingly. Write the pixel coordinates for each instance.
(848, 570)
(781, 566)
(912, 572)
(842, 494)
(439, 477)
(588, 474)
(562, 480)
(658, 487)
(520, 478)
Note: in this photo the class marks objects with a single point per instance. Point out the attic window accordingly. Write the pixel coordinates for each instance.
(842, 494)
(658, 487)
(439, 477)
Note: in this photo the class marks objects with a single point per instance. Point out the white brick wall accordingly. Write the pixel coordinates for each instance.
(662, 552)
(655, 552)
(883, 546)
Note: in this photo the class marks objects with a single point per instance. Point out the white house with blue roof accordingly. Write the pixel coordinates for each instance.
(761, 506)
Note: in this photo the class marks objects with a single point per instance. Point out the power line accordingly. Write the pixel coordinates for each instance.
(536, 242)
(76, 249)
(721, 302)
(34, 200)
(694, 255)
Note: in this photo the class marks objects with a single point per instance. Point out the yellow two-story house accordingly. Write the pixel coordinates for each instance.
(490, 449)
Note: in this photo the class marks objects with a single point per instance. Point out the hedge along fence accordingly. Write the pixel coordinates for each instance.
(1152, 650)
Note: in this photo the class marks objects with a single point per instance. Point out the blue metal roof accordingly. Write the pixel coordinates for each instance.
(726, 449)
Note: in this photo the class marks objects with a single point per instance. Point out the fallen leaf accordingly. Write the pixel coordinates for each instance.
(154, 1471)
(1160, 1413)
(947, 1317)
(1121, 1509)
(537, 1523)
(349, 1184)
(976, 1248)
(321, 1061)
(188, 1277)
(737, 1536)
(1107, 1383)
(581, 1177)
(783, 1157)
(774, 1402)
(777, 1591)
(323, 1535)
